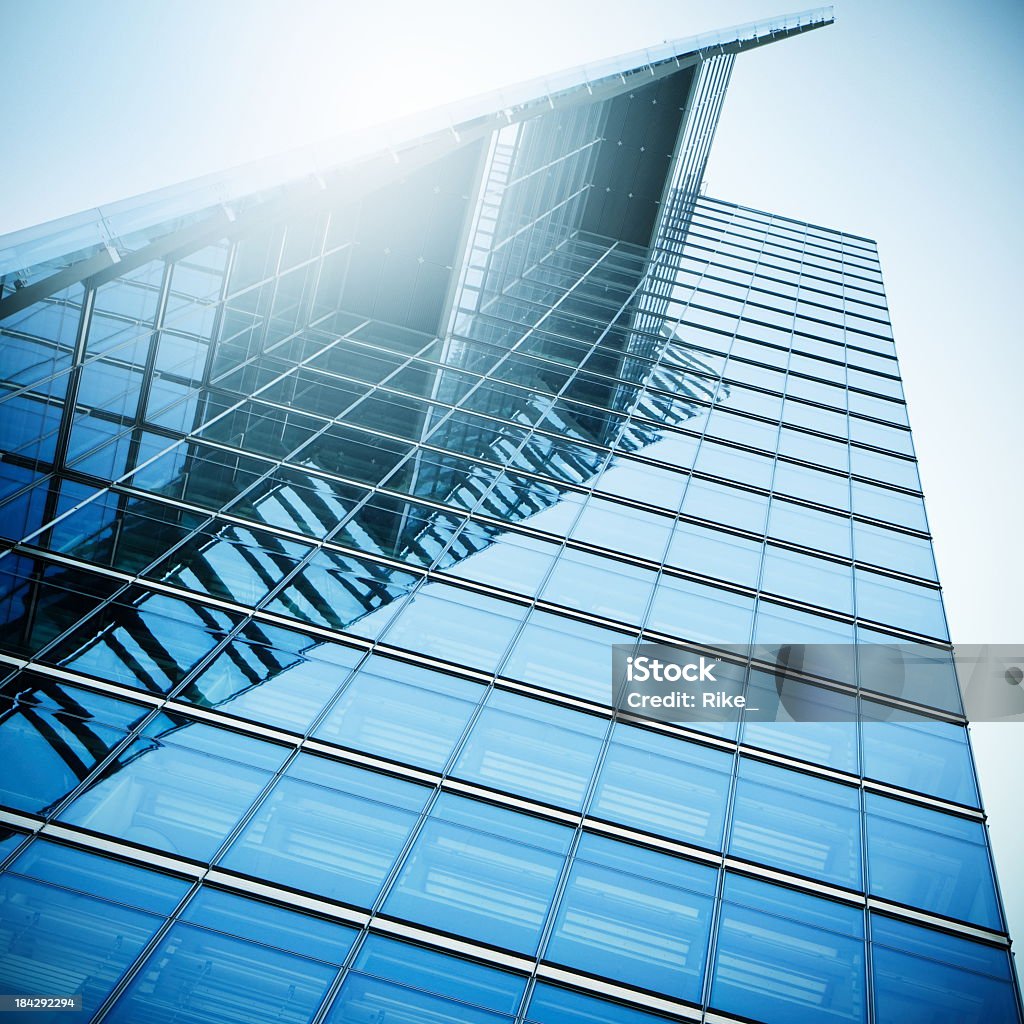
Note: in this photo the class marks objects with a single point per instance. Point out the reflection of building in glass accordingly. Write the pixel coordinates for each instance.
(326, 497)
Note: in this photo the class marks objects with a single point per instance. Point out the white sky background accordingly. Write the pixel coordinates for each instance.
(901, 122)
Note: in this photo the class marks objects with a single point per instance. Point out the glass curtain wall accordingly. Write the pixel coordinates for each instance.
(318, 538)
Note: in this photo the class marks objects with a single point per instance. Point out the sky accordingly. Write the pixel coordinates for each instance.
(902, 122)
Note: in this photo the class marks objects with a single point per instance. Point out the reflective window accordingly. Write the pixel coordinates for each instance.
(918, 754)
(812, 724)
(727, 505)
(796, 822)
(403, 712)
(899, 603)
(930, 860)
(393, 981)
(346, 593)
(809, 527)
(928, 976)
(56, 734)
(564, 655)
(180, 789)
(711, 552)
(612, 589)
(811, 580)
(255, 966)
(283, 686)
(636, 916)
(532, 748)
(695, 611)
(457, 625)
(552, 1005)
(664, 785)
(785, 957)
(481, 871)
(64, 942)
(900, 551)
(330, 829)
(619, 528)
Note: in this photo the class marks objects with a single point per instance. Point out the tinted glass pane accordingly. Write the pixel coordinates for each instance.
(926, 976)
(664, 785)
(481, 871)
(166, 795)
(628, 914)
(66, 942)
(774, 964)
(532, 748)
(930, 860)
(403, 712)
(551, 1005)
(330, 829)
(249, 982)
(798, 823)
(399, 982)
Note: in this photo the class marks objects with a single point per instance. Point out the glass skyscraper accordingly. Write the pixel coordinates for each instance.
(328, 486)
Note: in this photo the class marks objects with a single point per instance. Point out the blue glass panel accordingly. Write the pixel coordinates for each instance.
(637, 916)
(403, 712)
(927, 977)
(930, 860)
(811, 448)
(877, 545)
(614, 590)
(10, 842)
(664, 785)
(503, 559)
(650, 484)
(60, 942)
(889, 506)
(729, 505)
(919, 754)
(329, 828)
(272, 686)
(564, 655)
(364, 998)
(810, 527)
(916, 672)
(164, 795)
(813, 485)
(101, 876)
(811, 580)
(619, 528)
(778, 625)
(886, 468)
(735, 464)
(775, 963)
(344, 592)
(697, 612)
(797, 823)
(29, 427)
(900, 603)
(222, 980)
(270, 925)
(457, 625)
(488, 885)
(532, 748)
(55, 751)
(128, 641)
(715, 553)
(813, 724)
(445, 975)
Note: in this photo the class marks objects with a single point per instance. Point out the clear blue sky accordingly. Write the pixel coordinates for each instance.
(902, 122)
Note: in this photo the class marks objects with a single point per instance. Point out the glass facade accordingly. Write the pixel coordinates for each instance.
(322, 512)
